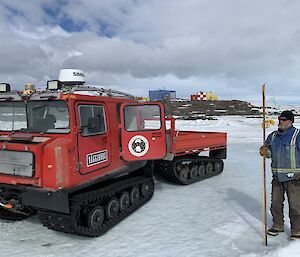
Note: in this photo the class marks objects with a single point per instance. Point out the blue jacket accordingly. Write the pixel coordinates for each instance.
(284, 150)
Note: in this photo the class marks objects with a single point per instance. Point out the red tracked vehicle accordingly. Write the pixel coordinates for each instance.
(84, 162)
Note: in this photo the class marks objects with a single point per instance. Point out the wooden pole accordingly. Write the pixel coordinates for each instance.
(264, 213)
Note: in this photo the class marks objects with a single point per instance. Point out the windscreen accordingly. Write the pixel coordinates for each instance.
(35, 116)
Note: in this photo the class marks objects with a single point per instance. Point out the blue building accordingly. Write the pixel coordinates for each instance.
(156, 95)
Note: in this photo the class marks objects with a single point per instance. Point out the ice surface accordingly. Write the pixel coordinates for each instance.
(220, 216)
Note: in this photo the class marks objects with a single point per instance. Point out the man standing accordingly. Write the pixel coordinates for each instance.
(283, 147)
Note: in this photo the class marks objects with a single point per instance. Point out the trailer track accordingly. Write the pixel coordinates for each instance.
(187, 170)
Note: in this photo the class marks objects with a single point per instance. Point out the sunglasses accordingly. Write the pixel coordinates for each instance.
(282, 119)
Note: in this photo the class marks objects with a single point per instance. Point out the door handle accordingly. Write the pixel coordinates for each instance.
(156, 135)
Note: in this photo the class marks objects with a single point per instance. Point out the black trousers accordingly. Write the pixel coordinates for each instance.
(292, 190)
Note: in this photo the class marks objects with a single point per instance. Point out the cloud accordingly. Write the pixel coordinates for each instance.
(230, 47)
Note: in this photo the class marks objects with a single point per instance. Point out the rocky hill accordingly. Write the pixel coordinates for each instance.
(198, 109)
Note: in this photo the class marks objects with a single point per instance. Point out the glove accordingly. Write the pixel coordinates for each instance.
(264, 151)
(297, 178)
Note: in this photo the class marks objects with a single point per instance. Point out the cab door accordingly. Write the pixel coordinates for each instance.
(143, 133)
(93, 137)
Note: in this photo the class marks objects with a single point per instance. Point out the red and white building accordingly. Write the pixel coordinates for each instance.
(200, 96)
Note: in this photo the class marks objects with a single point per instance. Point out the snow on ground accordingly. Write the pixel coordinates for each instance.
(220, 216)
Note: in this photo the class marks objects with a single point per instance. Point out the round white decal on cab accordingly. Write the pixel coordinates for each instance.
(138, 146)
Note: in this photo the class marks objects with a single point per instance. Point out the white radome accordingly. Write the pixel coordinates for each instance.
(71, 75)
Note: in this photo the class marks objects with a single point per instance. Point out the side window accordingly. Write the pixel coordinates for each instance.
(92, 119)
(142, 117)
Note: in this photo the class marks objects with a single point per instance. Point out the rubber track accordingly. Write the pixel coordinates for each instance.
(8, 215)
(69, 223)
(167, 169)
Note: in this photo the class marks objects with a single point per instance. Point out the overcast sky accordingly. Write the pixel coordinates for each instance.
(229, 47)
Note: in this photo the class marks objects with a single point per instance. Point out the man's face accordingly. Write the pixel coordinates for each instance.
(284, 123)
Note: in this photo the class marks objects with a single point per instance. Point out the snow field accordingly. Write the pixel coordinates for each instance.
(220, 216)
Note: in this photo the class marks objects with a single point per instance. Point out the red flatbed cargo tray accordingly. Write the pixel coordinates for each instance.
(190, 141)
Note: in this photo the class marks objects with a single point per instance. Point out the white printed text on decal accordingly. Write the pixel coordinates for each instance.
(96, 158)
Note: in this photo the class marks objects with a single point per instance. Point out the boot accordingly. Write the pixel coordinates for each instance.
(295, 236)
(274, 231)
